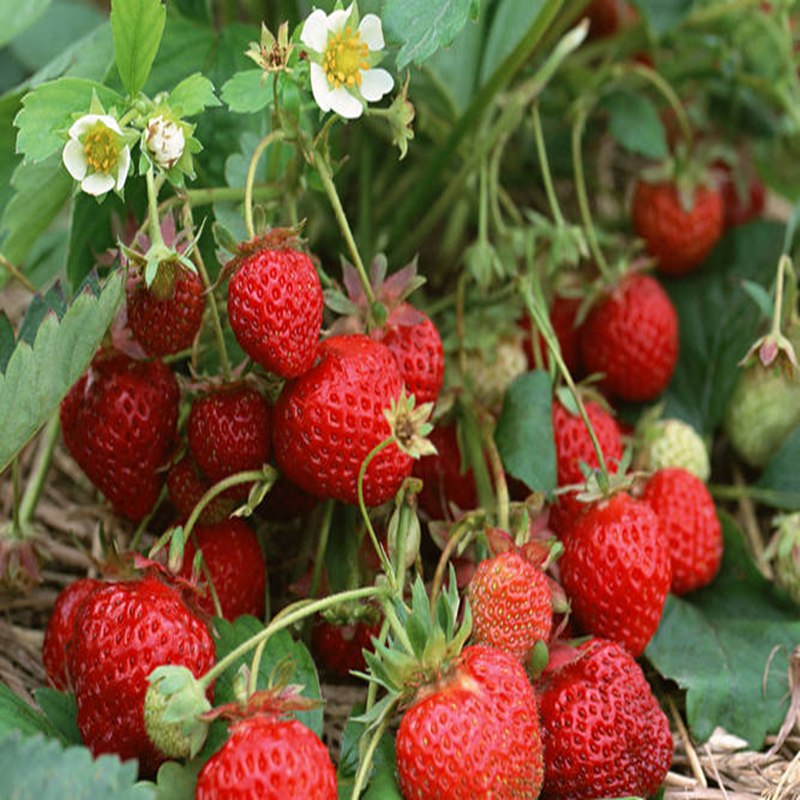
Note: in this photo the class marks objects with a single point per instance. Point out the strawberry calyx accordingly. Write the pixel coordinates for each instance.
(273, 239)
(276, 701)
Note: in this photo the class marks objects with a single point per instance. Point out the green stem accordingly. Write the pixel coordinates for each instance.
(777, 315)
(322, 167)
(365, 764)
(271, 137)
(35, 484)
(255, 666)
(499, 475)
(668, 93)
(544, 166)
(145, 521)
(15, 272)
(290, 615)
(231, 194)
(483, 205)
(322, 546)
(15, 526)
(154, 224)
(767, 496)
(398, 629)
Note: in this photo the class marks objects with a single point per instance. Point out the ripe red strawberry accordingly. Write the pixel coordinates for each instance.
(690, 526)
(236, 563)
(743, 201)
(119, 424)
(166, 317)
(511, 604)
(275, 309)
(563, 314)
(186, 484)
(679, 239)
(474, 733)
(123, 632)
(285, 501)
(631, 336)
(415, 343)
(327, 422)
(339, 648)
(616, 571)
(442, 481)
(604, 733)
(606, 17)
(60, 630)
(229, 432)
(267, 758)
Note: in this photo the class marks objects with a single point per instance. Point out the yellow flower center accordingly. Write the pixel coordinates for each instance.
(344, 58)
(101, 149)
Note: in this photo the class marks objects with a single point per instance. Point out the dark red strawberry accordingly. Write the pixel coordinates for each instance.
(604, 733)
(679, 239)
(743, 194)
(616, 571)
(689, 524)
(275, 308)
(563, 316)
(166, 317)
(119, 424)
(631, 336)
(286, 501)
(236, 564)
(415, 343)
(607, 17)
(329, 420)
(339, 647)
(229, 431)
(123, 632)
(186, 485)
(60, 630)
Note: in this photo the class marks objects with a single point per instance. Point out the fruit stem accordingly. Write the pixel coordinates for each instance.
(272, 136)
(229, 194)
(544, 166)
(398, 629)
(385, 565)
(15, 272)
(583, 199)
(145, 521)
(154, 223)
(777, 315)
(41, 466)
(323, 168)
(15, 526)
(365, 763)
(322, 546)
(289, 616)
(255, 666)
(453, 540)
(498, 473)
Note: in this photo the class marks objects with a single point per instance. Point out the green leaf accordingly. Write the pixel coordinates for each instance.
(9, 107)
(7, 340)
(38, 378)
(510, 22)
(192, 95)
(137, 26)
(40, 191)
(36, 768)
(662, 17)
(49, 111)
(423, 26)
(52, 301)
(17, 17)
(715, 643)
(382, 784)
(781, 477)
(718, 322)
(524, 433)
(61, 710)
(279, 647)
(246, 93)
(17, 715)
(635, 124)
(177, 781)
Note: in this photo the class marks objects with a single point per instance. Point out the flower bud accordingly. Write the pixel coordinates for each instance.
(165, 141)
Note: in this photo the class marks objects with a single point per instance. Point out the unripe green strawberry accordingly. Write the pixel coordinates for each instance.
(674, 443)
(764, 409)
(785, 548)
(491, 376)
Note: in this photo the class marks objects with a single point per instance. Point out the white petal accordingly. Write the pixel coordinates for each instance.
(320, 88)
(344, 104)
(375, 83)
(315, 31)
(97, 183)
(123, 166)
(372, 32)
(79, 127)
(74, 159)
(337, 19)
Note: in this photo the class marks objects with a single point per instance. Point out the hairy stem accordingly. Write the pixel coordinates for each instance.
(271, 137)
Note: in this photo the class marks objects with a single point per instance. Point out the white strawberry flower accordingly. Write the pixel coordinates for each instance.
(165, 141)
(343, 52)
(97, 154)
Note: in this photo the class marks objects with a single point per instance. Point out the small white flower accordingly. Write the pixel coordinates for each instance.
(343, 79)
(165, 141)
(97, 154)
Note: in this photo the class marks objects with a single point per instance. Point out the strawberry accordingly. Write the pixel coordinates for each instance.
(563, 317)
(229, 432)
(607, 17)
(166, 317)
(679, 239)
(443, 483)
(673, 443)
(490, 374)
(268, 758)
(275, 308)
(784, 553)
(119, 424)
(415, 343)
(473, 733)
(511, 605)
(123, 631)
(631, 336)
(604, 733)
(60, 630)
(186, 484)
(616, 571)
(339, 647)
(285, 501)
(743, 194)
(236, 564)
(327, 422)
(689, 524)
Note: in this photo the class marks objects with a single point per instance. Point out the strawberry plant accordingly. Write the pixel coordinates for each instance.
(398, 398)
